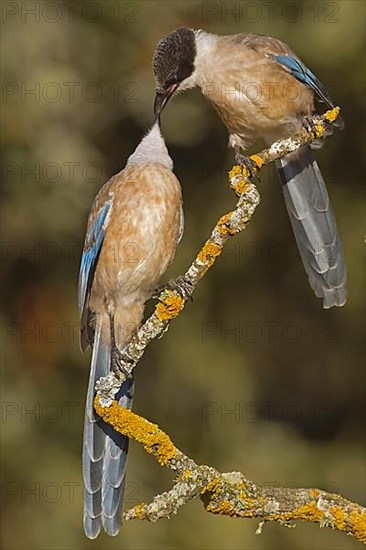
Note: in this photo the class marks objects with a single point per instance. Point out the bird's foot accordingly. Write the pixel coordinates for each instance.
(180, 284)
(309, 125)
(119, 362)
(249, 164)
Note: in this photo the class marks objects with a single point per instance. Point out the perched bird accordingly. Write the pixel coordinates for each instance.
(134, 226)
(262, 90)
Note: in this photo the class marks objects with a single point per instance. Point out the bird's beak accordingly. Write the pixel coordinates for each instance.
(162, 98)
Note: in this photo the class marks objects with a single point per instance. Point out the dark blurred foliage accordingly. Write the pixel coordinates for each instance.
(280, 397)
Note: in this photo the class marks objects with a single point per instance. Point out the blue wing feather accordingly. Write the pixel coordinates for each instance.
(93, 243)
(305, 75)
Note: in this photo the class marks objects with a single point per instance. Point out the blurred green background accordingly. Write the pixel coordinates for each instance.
(255, 375)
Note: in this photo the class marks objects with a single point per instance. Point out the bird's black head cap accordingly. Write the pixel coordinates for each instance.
(174, 58)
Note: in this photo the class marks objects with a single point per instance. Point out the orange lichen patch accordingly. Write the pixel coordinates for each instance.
(258, 160)
(224, 508)
(187, 474)
(314, 492)
(214, 487)
(354, 522)
(139, 511)
(339, 517)
(223, 225)
(319, 130)
(154, 440)
(208, 254)
(235, 171)
(170, 307)
(211, 495)
(246, 173)
(239, 176)
(240, 185)
(214, 503)
(332, 115)
(358, 522)
(309, 512)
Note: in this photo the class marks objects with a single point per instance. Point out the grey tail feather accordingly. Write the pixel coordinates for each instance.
(314, 226)
(104, 453)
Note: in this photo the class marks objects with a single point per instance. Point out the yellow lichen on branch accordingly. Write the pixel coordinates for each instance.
(228, 494)
(226, 227)
(169, 307)
(139, 511)
(148, 434)
(332, 115)
(358, 525)
(208, 254)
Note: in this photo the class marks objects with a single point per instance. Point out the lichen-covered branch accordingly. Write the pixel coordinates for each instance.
(230, 494)
(171, 302)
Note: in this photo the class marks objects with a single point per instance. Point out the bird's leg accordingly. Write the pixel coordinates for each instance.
(248, 163)
(180, 284)
(118, 358)
(309, 124)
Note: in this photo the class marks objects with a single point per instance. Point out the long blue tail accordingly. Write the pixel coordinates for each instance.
(314, 225)
(104, 453)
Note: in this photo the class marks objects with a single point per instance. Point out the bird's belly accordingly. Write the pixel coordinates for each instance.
(140, 239)
(260, 105)
(250, 121)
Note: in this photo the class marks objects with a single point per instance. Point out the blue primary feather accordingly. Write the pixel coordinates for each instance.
(305, 75)
(93, 243)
